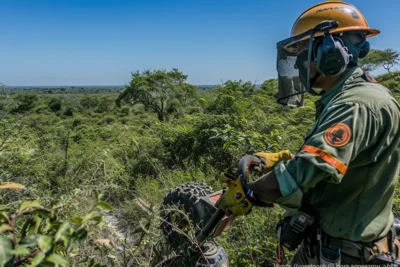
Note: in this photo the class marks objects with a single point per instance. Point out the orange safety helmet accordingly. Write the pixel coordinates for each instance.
(348, 17)
(332, 54)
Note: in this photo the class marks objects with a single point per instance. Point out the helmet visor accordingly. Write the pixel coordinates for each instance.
(295, 55)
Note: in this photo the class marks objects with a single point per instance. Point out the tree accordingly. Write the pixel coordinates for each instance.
(88, 102)
(104, 105)
(160, 91)
(387, 59)
(270, 86)
(55, 104)
(390, 58)
(370, 62)
(229, 96)
(25, 102)
(236, 88)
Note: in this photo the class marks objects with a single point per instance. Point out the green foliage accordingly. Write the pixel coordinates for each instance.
(270, 87)
(125, 111)
(109, 119)
(55, 104)
(104, 105)
(162, 92)
(31, 235)
(229, 96)
(24, 102)
(386, 58)
(88, 102)
(69, 111)
(389, 58)
(248, 140)
(391, 81)
(371, 61)
(78, 146)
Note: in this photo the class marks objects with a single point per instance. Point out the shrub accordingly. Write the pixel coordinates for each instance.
(69, 112)
(25, 102)
(39, 236)
(55, 104)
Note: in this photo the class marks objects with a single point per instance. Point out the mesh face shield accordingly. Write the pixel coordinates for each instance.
(294, 68)
(290, 88)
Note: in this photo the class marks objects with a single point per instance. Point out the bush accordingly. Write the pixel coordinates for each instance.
(41, 109)
(25, 102)
(109, 119)
(33, 234)
(88, 102)
(104, 105)
(69, 112)
(55, 104)
(125, 111)
(393, 85)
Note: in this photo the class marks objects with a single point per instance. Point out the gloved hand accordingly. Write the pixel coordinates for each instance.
(235, 200)
(271, 159)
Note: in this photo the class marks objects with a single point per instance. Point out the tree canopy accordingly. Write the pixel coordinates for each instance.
(386, 58)
(161, 91)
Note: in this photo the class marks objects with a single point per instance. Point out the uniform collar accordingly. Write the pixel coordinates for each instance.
(340, 85)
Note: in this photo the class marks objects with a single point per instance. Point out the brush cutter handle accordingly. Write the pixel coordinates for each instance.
(246, 164)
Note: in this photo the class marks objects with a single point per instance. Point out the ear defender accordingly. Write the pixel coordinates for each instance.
(332, 56)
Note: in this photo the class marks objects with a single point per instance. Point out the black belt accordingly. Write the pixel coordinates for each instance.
(354, 249)
(362, 250)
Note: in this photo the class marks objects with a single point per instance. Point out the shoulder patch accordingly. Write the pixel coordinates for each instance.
(369, 77)
(338, 135)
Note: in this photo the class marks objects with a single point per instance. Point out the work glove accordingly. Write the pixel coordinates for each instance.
(234, 199)
(238, 199)
(270, 160)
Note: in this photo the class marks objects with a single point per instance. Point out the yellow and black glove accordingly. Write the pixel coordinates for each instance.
(270, 160)
(234, 200)
(238, 199)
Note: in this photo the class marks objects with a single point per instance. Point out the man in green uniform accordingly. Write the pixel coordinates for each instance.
(348, 166)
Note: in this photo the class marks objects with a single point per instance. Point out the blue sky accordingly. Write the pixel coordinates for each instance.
(100, 42)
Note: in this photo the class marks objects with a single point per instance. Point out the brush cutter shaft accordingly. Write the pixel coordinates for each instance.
(246, 164)
(212, 223)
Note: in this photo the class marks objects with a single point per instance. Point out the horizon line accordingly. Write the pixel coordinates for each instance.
(61, 86)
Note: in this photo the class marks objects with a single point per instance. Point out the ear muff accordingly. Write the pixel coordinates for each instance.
(332, 56)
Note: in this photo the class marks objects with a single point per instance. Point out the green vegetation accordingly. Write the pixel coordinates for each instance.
(160, 91)
(78, 154)
(43, 239)
(387, 59)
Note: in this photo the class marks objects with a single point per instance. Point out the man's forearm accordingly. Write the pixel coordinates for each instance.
(266, 188)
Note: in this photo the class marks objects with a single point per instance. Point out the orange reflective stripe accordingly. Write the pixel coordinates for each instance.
(328, 158)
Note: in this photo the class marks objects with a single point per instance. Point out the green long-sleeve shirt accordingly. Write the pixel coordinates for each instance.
(350, 161)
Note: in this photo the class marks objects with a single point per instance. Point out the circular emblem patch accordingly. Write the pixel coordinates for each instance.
(338, 135)
(370, 78)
